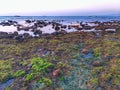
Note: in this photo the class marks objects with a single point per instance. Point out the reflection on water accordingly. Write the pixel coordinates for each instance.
(6, 84)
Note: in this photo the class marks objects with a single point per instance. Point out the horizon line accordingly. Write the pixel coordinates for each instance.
(57, 15)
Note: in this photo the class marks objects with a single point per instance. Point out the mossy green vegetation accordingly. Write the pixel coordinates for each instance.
(94, 81)
(19, 73)
(8, 88)
(6, 71)
(29, 76)
(40, 67)
(28, 63)
(47, 81)
(108, 52)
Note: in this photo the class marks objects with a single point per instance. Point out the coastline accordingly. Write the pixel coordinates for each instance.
(59, 56)
(39, 28)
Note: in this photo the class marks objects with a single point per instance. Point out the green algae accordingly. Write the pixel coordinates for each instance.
(6, 71)
(39, 66)
(19, 73)
(75, 69)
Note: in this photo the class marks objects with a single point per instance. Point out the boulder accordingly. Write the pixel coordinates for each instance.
(15, 33)
(11, 35)
(26, 35)
(28, 21)
(25, 28)
(19, 38)
(64, 26)
(5, 24)
(37, 32)
(57, 28)
(80, 28)
(3, 35)
(12, 22)
(8, 23)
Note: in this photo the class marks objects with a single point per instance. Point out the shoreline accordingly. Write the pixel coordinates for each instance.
(38, 28)
(61, 60)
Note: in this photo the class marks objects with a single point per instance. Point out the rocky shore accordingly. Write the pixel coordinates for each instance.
(41, 28)
(51, 55)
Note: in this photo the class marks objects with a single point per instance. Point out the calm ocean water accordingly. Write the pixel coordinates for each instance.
(65, 18)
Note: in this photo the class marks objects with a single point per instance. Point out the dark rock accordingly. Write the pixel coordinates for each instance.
(41, 26)
(11, 35)
(62, 32)
(26, 35)
(19, 27)
(5, 24)
(19, 38)
(79, 28)
(57, 28)
(37, 32)
(28, 21)
(3, 35)
(40, 23)
(8, 23)
(64, 26)
(69, 27)
(55, 33)
(56, 25)
(15, 33)
(12, 22)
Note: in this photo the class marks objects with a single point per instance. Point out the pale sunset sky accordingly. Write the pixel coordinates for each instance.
(59, 7)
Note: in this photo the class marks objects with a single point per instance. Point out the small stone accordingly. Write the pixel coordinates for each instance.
(84, 51)
(96, 63)
(56, 72)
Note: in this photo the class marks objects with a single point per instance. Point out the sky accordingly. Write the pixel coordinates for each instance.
(59, 7)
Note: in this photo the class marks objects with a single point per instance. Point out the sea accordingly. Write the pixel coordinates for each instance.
(65, 20)
(61, 18)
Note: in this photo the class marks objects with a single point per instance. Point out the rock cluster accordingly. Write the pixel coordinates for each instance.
(35, 27)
